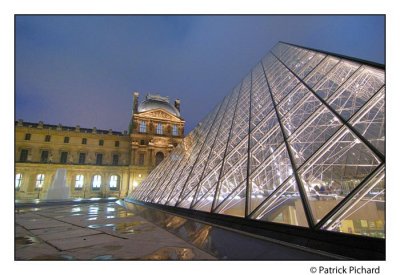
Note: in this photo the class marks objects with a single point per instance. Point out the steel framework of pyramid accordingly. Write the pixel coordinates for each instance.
(299, 141)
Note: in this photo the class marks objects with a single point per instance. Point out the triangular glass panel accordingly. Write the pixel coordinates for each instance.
(364, 213)
(303, 110)
(268, 176)
(207, 186)
(235, 203)
(321, 70)
(313, 134)
(281, 81)
(356, 91)
(279, 49)
(370, 121)
(335, 170)
(315, 60)
(204, 200)
(331, 82)
(292, 99)
(261, 103)
(284, 205)
(231, 180)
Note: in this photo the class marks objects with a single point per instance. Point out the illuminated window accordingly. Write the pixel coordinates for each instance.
(18, 181)
(27, 136)
(96, 183)
(174, 130)
(142, 127)
(79, 181)
(39, 181)
(159, 129)
(114, 182)
(47, 138)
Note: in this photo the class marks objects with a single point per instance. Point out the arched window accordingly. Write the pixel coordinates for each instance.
(114, 182)
(159, 157)
(174, 130)
(142, 127)
(96, 183)
(79, 182)
(18, 181)
(39, 181)
(159, 129)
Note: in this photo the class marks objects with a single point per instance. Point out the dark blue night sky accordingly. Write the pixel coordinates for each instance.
(82, 70)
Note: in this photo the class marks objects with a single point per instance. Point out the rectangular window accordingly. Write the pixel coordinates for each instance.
(66, 139)
(101, 142)
(47, 138)
(84, 141)
(39, 181)
(142, 142)
(27, 136)
(174, 130)
(115, 160)
(96, 182)
(141, 159)
(142, 127)
(44, 157)
(18, 181)
(64, 157)
(114, 182)
(24, 155)
(117, 143)
(99, 159)
(82, 157)
(159, 129)
(79, 182)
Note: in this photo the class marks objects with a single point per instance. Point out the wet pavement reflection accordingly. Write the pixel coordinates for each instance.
(97, 231)
(26, 240)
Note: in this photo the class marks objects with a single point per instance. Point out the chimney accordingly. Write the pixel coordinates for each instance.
(135, 102)
(178, 104)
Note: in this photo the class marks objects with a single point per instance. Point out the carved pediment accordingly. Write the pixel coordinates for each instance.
(158, 114)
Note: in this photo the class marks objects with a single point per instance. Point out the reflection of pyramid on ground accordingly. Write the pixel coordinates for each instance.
(295, 142)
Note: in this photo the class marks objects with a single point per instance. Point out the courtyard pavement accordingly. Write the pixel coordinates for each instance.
(95, 231)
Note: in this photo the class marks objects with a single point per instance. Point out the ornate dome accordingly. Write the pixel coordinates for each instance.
(153, 102)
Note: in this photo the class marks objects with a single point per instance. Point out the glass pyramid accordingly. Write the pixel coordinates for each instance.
(300, 141)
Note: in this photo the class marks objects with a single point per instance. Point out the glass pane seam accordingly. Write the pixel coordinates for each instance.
(348, 197)
(345, 122)
(306, 206)
(216, 194)
(198, 155)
